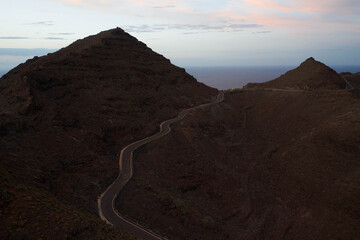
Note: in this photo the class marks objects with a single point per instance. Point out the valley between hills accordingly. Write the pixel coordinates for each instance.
(275, 160)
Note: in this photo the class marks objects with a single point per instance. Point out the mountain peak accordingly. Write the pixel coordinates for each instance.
(311, 62)
(310, 75)
(111, 59)
(109, 39)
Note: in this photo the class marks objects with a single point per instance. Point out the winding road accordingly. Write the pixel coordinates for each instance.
(349, 86)
(106, 201)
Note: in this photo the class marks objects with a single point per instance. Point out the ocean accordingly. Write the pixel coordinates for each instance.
(236, 77)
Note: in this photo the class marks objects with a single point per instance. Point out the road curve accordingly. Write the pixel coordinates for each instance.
(106, 201)
(348, 86)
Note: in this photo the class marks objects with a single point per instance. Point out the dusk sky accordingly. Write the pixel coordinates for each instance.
(191, 32)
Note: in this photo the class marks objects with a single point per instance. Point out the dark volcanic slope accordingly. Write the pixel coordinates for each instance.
(63, 120)
(260, 165)
(310, 75)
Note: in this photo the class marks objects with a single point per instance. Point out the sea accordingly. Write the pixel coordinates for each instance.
(224, 78)
(236, 77)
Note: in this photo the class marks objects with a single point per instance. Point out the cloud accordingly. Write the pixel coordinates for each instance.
(269, 4)
(261, 32)
(192, 28)
(289, 15)
(28, 38)
(61, 34)
(144, 28)
(303, 15)
(54, 38)
(13, 38)
(343, 8)
(190, 33)
(99, 5)
(165, 6)
(42, 23)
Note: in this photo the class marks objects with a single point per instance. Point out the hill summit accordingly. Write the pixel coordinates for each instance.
(111, 63)
(310, 75)
(64, 118)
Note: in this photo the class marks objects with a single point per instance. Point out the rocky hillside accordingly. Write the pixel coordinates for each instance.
(260, 165)
(310, 75)
(64, 118)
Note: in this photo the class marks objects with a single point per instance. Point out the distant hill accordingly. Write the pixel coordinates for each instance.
(64, 118)
(310, 75)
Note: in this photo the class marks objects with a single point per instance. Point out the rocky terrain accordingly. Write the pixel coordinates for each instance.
(64, 118)
(264, 164)
(267, 163)
(310, 75)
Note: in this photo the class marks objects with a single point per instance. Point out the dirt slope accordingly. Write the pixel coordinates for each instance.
(64, 118)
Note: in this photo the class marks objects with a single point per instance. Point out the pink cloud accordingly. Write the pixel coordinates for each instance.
(93, 4)
(295, 15)
(268, 4)
(303, 26)
(305, 15)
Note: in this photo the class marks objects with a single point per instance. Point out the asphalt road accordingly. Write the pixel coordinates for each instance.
(351, 85)
(106, 201)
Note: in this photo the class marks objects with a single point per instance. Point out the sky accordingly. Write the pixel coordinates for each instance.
(191, 32)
